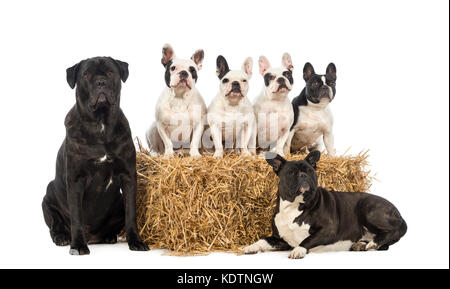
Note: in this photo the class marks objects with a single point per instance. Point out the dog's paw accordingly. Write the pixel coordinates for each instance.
(195, 154)
(359, 246)
(109, 240)
(61, 239)
(371, 246)
(168, 155)
(79, 250)
(218, 154)
(246, 153)
(259, 246)
(137, 245)
(298, 253)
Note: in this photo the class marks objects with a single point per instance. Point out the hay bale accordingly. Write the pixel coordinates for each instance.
(194, 206)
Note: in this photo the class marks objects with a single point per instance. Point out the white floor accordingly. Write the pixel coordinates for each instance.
(118, 256)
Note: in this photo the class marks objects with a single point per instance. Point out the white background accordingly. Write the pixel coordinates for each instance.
(392, 98)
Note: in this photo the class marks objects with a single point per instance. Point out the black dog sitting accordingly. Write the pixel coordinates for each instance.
(96, 161)
(309, 218)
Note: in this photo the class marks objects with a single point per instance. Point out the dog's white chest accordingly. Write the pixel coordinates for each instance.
(311, 124)
(289, 231)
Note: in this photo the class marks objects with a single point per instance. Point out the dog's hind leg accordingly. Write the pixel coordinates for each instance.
(383, 240)
(384, 220)
(59, 228)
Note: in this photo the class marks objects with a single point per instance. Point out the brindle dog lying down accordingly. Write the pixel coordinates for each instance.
(93, 195)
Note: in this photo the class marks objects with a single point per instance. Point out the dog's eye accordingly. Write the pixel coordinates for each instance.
(173, 68)
(110, 73)
(86, 75)
(244, 80)
(272, 77)
(315, 84)
(332, 84)
(225, 80)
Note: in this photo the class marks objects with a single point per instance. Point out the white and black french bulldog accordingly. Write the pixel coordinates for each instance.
(313, 121)
(273, 110)
(309, 218)
(180, 110)
(230, 115)
(93, 195)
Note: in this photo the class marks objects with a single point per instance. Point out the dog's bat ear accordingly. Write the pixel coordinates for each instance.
(286, 61)
(308, 71)
(222, 66)
(331, 70)
(313, 157)
(247, 67)
(197, 57)
(264, 64)
(275, 160)
(72, 75)
(167, 54)
(123, 69)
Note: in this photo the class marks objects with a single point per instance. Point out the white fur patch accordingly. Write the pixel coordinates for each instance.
(102, 159)
(315, 121)
(109, 183)
(298, 253)
(371, 246)
(259, 246)
(291, 232)
(338, 246)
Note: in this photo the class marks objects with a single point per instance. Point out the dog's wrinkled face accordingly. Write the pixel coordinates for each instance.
(234, 83)
(98, 82)
(320, 88)
(181, 73)
(278, 81)
(297, 178)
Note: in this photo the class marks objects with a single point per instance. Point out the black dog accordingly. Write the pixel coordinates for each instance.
(310, 218)
(96, 161)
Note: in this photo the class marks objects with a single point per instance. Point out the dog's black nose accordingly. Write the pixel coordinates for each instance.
(183, 74)
(235, 84)
(101, 83)
(281, 80)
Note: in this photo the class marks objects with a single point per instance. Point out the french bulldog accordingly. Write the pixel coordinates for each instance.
(309, 218)
(230, 115)
(273, 110)
(313, 121)
(96, 161)
(180, 110)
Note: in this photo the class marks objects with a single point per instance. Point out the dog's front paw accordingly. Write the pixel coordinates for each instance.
(168, 155)
(79, 250)
(246, 153)
(218, 154)
(61, 239)
(259, 246)
(195, 154)
(298, 253)
(135, 243)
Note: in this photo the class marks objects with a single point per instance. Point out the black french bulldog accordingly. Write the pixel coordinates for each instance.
(310, 218)
(96, 161)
